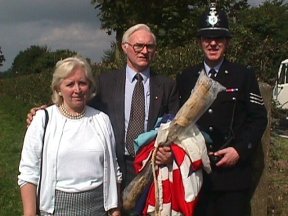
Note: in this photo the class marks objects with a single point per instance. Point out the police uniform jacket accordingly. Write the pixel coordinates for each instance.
(248, 121)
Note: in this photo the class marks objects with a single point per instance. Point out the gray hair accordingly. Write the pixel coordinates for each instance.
(135, 28)
(65, 68)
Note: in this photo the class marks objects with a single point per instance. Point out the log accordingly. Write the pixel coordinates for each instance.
(259, 192)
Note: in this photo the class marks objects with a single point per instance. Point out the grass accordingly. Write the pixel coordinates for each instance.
(11, 135)
(278, 177)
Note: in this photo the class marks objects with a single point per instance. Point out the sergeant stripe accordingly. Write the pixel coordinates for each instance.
(255, 95)
(257, 99)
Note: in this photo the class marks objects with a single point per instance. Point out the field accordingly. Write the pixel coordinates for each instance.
(11, 134)
(278, 176)
(12, 129)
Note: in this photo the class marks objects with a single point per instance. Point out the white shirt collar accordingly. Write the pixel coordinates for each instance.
(130, 74)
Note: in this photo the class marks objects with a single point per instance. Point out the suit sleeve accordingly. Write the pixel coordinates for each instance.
(173, 98)
(97, 102)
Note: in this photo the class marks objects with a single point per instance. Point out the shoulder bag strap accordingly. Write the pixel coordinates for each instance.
(41, 163)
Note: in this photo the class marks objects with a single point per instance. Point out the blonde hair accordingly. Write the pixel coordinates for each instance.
(65, 68)
(135, 28)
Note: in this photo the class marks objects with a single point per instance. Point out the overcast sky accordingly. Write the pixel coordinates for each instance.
(57, 24)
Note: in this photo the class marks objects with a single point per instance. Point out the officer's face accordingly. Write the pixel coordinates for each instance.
(214, 49)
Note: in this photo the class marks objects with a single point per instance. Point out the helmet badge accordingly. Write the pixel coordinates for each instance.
(213, 17)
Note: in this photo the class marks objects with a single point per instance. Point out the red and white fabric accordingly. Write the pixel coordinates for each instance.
(178, 184)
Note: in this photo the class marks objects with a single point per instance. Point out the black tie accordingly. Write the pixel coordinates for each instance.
(137, 115)
(212, 73)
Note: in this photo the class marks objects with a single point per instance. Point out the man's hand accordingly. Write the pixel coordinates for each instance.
(114, 212)
(32, 113)
(229, 157)
(164, 155)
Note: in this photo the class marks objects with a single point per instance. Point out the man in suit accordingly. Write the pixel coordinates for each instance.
(235, 121)
(115, 92)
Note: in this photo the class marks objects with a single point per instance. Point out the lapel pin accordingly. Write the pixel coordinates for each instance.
(226, 72)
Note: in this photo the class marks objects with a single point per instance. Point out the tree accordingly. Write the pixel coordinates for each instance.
(2, 58)
(273, 22)
(24, 62)
(260, 38)
(37, 59)
(173, 22)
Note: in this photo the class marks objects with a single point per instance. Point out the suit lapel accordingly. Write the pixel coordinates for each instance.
(156, 94)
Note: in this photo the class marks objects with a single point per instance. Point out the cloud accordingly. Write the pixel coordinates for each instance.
(61, 24)
(85, 40)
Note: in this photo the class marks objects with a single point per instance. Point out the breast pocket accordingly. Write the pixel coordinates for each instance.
(226, 103)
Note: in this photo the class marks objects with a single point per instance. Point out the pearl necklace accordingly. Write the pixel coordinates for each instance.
(69, 115)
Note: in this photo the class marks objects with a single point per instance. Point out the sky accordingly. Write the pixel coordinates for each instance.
(57, 24)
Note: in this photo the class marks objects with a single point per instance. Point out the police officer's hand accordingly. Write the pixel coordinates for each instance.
(164, 155)
(32, 113)
(229, 157)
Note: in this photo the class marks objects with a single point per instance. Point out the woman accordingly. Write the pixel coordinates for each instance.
(80, 174)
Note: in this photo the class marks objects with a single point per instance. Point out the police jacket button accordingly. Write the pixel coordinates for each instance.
(210, 111)
(211, 128)
(210, 147)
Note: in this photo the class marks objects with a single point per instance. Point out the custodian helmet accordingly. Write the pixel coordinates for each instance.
(214, 24)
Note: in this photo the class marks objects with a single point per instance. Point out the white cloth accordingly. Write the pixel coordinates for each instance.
(30, 158)
(190, 139)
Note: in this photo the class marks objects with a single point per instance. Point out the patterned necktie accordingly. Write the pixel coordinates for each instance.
(212, 73)
(137, 115)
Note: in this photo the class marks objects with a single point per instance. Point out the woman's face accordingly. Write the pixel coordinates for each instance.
(75, 90)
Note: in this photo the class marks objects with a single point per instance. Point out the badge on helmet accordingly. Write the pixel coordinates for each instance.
(214, 24)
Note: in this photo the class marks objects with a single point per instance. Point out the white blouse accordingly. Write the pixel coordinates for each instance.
(80, 157)
(94, 127)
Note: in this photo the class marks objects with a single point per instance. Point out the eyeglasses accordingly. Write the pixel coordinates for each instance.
(138, 47)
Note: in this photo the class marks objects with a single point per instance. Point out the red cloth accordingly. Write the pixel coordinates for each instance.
(180, 185)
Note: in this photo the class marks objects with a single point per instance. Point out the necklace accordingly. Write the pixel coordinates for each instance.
(69, 115)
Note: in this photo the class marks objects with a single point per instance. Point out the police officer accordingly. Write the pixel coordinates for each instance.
(235, 122)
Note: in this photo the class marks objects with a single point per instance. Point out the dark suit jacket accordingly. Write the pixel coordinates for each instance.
(248, 124)
(110, 99)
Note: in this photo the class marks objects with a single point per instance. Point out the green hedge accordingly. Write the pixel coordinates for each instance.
(30, 90)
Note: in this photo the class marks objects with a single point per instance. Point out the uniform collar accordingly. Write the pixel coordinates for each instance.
(216, 68)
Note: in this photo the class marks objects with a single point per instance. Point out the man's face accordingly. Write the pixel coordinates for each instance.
(214, 49)
(140, 50)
